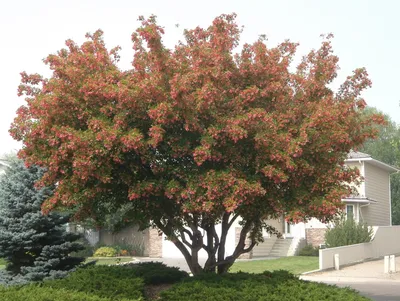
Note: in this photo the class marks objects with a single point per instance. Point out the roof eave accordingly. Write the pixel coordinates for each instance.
(360, 201)
(385, 166)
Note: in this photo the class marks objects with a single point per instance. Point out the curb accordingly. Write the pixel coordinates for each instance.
(311, 272)
(337, 280)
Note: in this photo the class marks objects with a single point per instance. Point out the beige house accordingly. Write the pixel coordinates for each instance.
(371, 205)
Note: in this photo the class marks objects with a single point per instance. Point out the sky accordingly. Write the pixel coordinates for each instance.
(366, 35)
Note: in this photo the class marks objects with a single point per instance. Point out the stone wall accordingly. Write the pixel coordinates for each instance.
(315, 236)
(155, 243)
(247, 255)
(130, 236)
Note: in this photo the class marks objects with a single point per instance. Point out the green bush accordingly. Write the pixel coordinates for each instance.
(105, 252)
(112, 282)
(156, 272)
(272, 286)
(309, 250)
(36, 293)
(118, 282)
(347, 232)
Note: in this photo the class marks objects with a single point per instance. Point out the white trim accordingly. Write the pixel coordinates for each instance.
(362, 185)
(390, 204)
(361, 201)
(374, 162)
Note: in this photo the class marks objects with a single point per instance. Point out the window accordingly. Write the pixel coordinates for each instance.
(287, 227)
(350, 211)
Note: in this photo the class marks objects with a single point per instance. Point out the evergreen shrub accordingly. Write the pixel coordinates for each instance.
(346, 232)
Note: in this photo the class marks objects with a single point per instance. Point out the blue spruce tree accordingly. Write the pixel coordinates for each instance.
(35, 246)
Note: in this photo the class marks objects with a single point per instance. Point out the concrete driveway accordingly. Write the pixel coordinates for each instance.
(368, 278)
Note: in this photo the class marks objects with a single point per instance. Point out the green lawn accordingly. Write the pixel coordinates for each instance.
(108, 261)
(293, 264)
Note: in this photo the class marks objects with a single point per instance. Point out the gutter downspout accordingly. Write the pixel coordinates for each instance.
(362, 206)
(390, 199)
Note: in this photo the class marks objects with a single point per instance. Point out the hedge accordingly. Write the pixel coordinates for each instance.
(156, 272)
(112, 282)
(118, 282)
(35, 293)
(127, 283)
(275, 286)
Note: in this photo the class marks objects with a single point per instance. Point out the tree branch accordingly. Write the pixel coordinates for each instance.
(232, 220)
(249, 248)
(224, 232)
(242, 240)
(182, 233)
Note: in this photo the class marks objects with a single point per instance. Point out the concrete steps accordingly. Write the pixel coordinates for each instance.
(281, 247)
(274, 247)
(263, 249)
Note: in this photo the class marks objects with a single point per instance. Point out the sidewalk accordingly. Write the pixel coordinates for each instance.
(362, 272)
(368, 278)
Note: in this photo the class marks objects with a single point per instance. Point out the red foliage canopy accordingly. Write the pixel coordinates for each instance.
(195, 133)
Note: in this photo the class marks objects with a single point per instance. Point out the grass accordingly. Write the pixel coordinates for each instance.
(293, 264)
(109, 261)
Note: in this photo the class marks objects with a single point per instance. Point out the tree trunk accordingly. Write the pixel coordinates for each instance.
(215, 247)
(212, 247)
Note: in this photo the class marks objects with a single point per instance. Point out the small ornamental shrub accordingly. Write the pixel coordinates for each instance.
(309, 250)
(124, 253)
(346, 232)
(271, 286)
(36, 293)
(156, 272)
(112, 282)
(105, 252)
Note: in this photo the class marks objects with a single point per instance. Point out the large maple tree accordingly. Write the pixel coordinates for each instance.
(201, 135)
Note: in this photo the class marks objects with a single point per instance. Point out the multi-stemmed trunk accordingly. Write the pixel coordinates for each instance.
(190, 241)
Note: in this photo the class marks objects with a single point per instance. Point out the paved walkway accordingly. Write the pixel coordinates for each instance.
(368, 278)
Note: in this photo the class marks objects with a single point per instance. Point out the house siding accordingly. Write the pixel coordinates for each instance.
(278, 224)
(360, 188)
(377, 189)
